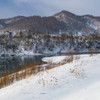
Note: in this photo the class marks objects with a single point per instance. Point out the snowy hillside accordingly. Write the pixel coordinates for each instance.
(31, 44)
(78, 80)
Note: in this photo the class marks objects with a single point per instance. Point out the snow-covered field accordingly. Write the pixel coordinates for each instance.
(78, 80)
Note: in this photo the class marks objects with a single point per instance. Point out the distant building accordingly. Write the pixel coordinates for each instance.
(10, 34)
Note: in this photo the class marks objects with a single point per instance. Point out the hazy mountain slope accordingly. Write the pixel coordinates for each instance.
(40, 24)
(76, 23)
(93, 22)
(12, 20)
(62, 22)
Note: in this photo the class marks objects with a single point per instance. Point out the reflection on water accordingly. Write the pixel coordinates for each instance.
(14, 63)
(10, 64)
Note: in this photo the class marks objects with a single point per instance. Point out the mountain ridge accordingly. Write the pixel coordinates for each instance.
(62, 22)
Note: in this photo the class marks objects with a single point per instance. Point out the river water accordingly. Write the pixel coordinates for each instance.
(10, 64)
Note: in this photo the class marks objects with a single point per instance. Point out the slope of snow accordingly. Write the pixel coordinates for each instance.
(56, 59)
(91, 92)
(79, 80)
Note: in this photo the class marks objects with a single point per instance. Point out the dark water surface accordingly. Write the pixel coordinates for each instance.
(10, 64)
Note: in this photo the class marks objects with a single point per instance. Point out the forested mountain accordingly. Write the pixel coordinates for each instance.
(60, 33)
(62, 22)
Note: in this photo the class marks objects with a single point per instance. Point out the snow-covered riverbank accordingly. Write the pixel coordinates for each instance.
(78, 80)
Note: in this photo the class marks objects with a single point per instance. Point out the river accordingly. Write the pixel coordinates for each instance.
(10, 64)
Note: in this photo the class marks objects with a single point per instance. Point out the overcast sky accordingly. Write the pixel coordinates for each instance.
(10, 8)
